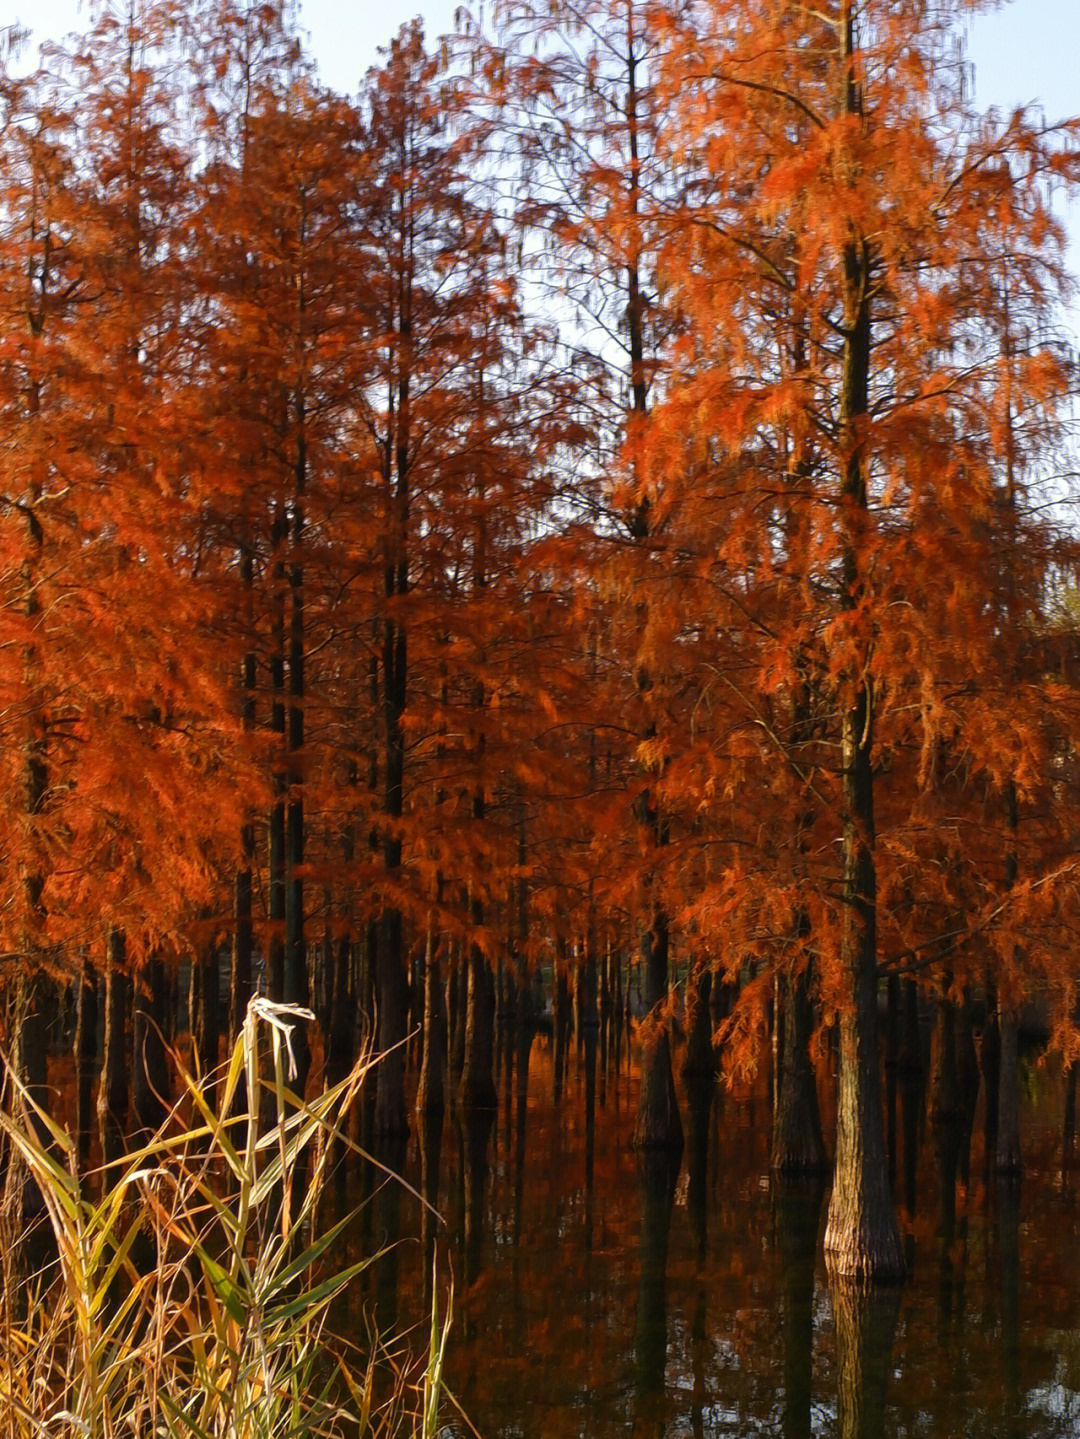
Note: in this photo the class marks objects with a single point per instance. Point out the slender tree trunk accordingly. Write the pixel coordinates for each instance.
(150, 1072)
(943, 1090)
(477, 1090)
(112, 1101)
(456, 987)
(206, 1008)
(296, 987)
(700, 1059)
(240, 976)
(798, 1146)
(862, 1240)
(391, 1120)
(1008, 1158)
(560, 1025)
(659, 1125)
(275, 957)
(430, 1090)
(86, 1053)
(28, 1017)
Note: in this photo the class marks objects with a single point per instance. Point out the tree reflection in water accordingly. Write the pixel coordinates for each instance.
(598, 1293)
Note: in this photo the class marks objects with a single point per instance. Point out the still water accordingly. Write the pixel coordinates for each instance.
(597, 1296)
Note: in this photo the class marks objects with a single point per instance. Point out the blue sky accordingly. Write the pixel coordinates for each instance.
(1025, 51)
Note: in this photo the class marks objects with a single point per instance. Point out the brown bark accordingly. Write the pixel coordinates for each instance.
(659, 1124)
(86, 1019)
(1008, 1158)
(862, 1240)
(430, 1089)
(112, 1100)
(477, 1087)
(798, 1146)
(150, 1073)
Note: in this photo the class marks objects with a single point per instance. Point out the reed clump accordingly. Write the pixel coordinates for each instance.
(189, 1295)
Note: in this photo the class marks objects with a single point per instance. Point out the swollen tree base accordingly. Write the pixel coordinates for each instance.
(862, 1238)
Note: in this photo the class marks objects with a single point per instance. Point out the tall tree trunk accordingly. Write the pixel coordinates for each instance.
(150, 1071)
(477, 1090)
(86, 1053)
(560, 1022)
(700, 1060)
(659, 1125)
(1008, 1158)
(112, 1101)
(296, 987)
(240, 976)
(862, 1240)
(797, 1146)
(28, 1025)
(430, 1089)
(275, 950)
(206, 1008)
(391, 1121)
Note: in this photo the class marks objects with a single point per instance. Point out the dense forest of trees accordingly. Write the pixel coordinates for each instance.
(587, 514)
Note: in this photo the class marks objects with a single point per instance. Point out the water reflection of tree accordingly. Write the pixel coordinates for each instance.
(865, 1327)
(658, 1171)
(1007, 1226)
(796, 1217)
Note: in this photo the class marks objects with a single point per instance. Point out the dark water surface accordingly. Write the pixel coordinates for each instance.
(597, 1295)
